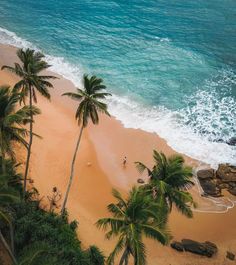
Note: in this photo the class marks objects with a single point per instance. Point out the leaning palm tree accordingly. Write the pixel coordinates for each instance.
(31, 80)
(168, 181)
(11, 123)
(89, 105)
(133, 218)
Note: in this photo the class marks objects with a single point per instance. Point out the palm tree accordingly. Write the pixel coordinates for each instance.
(169, 179)
(31, 80)
(11, 123)
(133, 218)
(89, 105)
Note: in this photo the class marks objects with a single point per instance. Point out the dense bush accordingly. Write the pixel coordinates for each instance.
(34, 225)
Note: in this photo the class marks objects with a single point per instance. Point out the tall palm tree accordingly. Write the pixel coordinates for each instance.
(89, 105)
(168, 181)
(11, 123)
(31, 81)
(133, 218)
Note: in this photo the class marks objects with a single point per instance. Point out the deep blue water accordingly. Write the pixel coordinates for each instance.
(170, 64)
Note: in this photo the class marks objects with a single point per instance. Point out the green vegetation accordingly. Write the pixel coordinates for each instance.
(11, 122)
(133, 218)
(34, 236)
(31, 80)
(50, 236)
(169, 179)
(89, 106)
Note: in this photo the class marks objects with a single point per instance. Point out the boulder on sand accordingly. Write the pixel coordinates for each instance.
(177, 246)
(230, 255)
(205, 249)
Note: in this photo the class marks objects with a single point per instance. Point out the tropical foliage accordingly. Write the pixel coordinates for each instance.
(56, 238)
(133, 218)
(168, 181)
(12, 122)
(31, 81)
(90, 105)
(8, 196)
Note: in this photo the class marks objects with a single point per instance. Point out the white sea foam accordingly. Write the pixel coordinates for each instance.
(169, 125)
(174, 126)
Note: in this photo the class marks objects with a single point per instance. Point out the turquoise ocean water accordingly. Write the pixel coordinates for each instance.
(171, 65)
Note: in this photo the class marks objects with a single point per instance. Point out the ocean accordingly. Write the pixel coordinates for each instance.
(170, 65)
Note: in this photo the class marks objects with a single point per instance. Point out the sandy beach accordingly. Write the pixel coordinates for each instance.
(104, 147)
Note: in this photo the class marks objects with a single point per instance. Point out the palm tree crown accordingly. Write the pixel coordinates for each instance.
(169, 179)
(32, 64)
(132, 218)
(12, 121)
(89, 99)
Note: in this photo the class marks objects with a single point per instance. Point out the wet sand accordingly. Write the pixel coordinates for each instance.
(104, 146)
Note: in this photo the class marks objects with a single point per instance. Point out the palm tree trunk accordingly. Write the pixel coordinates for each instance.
(7, 248)
(72, 171)
(124, 257)
(30, 140)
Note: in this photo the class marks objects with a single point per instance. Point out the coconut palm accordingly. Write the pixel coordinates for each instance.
(31, 81)
(89, 105)
(133, 218)
(168, 181)
(11, 123)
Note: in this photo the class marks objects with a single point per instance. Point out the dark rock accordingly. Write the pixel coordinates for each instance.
(140, 181)
(232, 141)
(206, 174)
(205, 249)
(230, 255)
(232, 184)
(177, 246)
(210, 188)
(223, 185)
(226, 173)
(232, 190)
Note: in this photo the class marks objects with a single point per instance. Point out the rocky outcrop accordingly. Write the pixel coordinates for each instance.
(205, 249)
(208, 182)
(226, 173)
(206, 174)
(230, 255)
(213, 182)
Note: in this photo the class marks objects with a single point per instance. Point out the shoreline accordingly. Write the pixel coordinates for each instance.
(104, 146)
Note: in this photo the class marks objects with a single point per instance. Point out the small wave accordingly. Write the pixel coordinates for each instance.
(169, 125)
(10, 38)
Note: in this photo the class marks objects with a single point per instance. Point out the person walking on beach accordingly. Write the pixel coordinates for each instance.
(124, 161)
